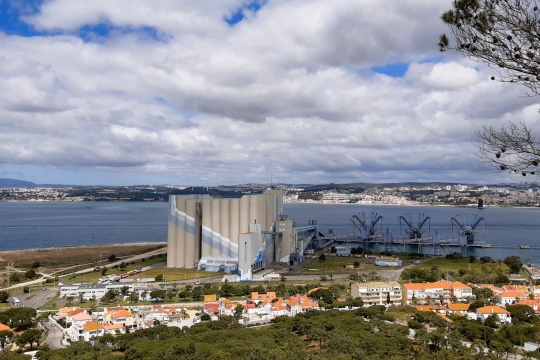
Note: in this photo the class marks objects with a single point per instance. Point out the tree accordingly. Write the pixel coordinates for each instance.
(112, 258)
(472, 259)
(4, 295)
(322, 257)
(109, 296)
(159, 277)
(104, 271)
(29, 337)
(36, 264)
(157, 294)
(513, 263)
(502, 35)
(170, 295)
(26, 290)
(356, 264)
(133, 297)
(238, 311)
(388, 298)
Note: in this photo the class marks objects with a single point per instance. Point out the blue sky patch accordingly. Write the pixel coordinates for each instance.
(94, 32)
(11, 13)
(239, 15)
(394, 70)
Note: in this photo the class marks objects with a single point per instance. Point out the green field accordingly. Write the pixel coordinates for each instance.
(334, 265)
(444, 264)
(177, 274)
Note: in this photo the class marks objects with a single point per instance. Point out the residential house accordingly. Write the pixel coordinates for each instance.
(115, 329)
(279, 308)
(77, 321)
(458, 309)
(512, 297)
(119, 316)
(426, 292)
(377, 293)
(484, 312)
(69, 315)
(299, 304)
(92, 329)
(263, 297)
(62, 312)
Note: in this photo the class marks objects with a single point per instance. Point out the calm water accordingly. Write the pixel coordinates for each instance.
(26, 225)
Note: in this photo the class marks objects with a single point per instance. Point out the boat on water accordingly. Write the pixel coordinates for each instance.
(524, 247)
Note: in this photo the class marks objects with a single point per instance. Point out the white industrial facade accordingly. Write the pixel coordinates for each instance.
(215, 233)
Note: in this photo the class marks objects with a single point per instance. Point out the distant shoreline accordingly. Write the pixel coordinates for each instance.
(7, 252)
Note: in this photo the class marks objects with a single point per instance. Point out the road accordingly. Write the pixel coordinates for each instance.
(90, 269)
(54, 336)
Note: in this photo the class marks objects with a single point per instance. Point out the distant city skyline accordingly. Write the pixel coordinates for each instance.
(236, 91)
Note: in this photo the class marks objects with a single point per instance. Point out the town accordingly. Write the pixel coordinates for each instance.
(424, 302)
(519, 194)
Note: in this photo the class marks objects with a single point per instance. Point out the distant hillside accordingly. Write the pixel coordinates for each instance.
(7, 183)
(14, 183)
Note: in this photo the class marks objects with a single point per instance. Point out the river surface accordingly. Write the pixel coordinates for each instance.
(28, 225)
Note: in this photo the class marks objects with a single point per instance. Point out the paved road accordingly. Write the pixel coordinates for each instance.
(54, 336)
(90, 269)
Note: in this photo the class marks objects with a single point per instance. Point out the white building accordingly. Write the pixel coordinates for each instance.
(376, 293)
(484, 312)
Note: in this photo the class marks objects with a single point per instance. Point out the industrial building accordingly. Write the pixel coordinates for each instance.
(239, 234)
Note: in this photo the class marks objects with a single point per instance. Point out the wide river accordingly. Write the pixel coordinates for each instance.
(28, 225)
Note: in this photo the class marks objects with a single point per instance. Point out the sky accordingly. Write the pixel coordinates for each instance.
(124, 92)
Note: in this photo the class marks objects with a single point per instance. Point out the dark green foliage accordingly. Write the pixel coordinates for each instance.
(421, 275)
(4, 296)
(112, 258)
(513, 263)
(36, 264)
(29, 337)
(322, 257)
(520, 313)
(20, 318)
(109, 296)
(158, 294)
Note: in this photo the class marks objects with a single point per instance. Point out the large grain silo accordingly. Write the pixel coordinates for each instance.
(205, 231)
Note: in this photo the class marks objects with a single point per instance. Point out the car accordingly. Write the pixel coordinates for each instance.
(178, 320)
(68, 340)
(197, 282)
(53, 324)
(197, 314)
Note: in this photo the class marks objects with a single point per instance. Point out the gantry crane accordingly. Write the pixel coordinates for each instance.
(414, 232)
(467, 230)
(367, 230)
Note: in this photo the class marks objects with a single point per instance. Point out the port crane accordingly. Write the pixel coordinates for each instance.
(414, 232)
(367, 230)
(467, 231)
